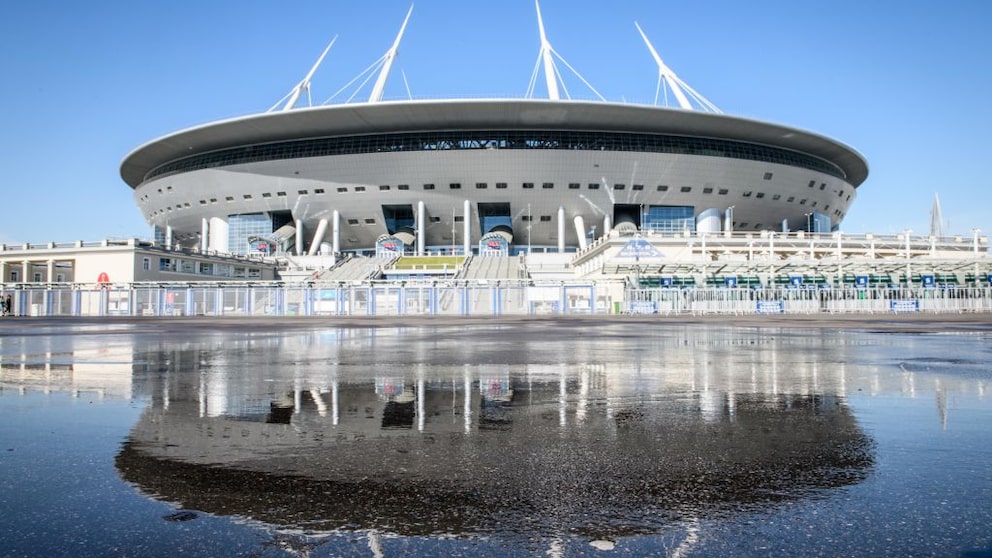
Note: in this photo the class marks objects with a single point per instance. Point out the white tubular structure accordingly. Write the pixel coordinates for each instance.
(318, 237)
(607, 225)
(421, 227)
(549, 68)
(679, 88)
(561, 229)
(299, 237)
(218, 235)
(204, 235)
(467, 229)
(335, 234)
(580, 231)
(380, 82)
(168, 237)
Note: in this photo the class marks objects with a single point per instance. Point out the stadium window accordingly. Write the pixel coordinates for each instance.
(481, 185)
(213, 200)
(545, 218)
(813, 204)
(247, 196)
(826, 207)
(548, 185)
(352, 221)
(802, 202)
(229, 198)
(383, 187)
(281, 194)
(186, 204)
(723, 191)
(359, 188)
(743, 225)
(747, 194)
(573, 185)
(768, 176)
(428, 186)
(455, 186)
(759, 195)
(637, 187)
(791, 199)
(812, 183)
(146, 264)
(403, 187)
(459, 218)
(685, 189)
(707, 190)
(840, 193)
(662, 188)
(757, 226)
(266, 194)
(528, 185)
(203, 202)
(776, 197)
(168, 188)
(594, 185)
(823, 185)
(619, 186)
(369, 221)
(318, 190)
(527, 218)
(302, 192)
(501, 185)
(435, 219)
(342, 190)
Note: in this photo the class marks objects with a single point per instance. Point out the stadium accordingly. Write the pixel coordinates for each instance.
(468, 176)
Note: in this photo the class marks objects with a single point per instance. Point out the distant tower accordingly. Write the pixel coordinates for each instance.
(936, 219)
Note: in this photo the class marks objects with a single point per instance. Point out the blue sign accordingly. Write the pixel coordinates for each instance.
(927, 280)
(861, 281)
(770, 307)
(904, 305)
(730, 282)
(639, 248)
(666, 282)
(795, 280)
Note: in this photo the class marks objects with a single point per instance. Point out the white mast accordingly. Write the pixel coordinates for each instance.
(294, 94)
(380, 82)
(549, 68)
(679, 88)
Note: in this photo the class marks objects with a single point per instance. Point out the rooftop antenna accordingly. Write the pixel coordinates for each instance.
(936, 219)
(380, 82)
(678, 87)
(294, 94)
(552, 76)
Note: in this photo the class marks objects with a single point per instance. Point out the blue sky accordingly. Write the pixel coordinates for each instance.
(83, 83)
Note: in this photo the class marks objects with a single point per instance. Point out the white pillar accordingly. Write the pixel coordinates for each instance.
(204, 231)
(580, 230)
(218, 235)
(3, 272)
(299, 237)
(561, 229)
(168, 237)
(607, 225)
(728, 221)
(466, 228)
(318, 237)
(51, 272)
(421, 227)
(336, 234)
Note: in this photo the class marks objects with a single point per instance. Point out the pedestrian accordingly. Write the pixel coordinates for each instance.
(9, 306)
(3, 306)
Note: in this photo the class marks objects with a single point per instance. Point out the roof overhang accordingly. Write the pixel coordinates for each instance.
(481, 114)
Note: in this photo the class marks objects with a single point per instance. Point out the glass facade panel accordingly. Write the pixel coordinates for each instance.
(669, 218)
(245, 233)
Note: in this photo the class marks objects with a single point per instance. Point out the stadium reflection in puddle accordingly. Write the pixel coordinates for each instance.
(494, 433)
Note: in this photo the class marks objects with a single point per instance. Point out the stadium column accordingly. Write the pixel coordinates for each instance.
(218, 235)
(204, 238)
(335, 235)
(168, 237)
(466, 229)
(318, 237)
(421, 227)
(607, 225)
(299, 237)
(561, 229)
(580, 231)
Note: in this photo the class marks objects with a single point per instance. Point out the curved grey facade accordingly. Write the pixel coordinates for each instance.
(521, 165)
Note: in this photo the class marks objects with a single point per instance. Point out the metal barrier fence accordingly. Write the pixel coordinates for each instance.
(474, 299)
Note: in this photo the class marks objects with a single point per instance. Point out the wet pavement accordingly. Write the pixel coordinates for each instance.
(542, 437)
